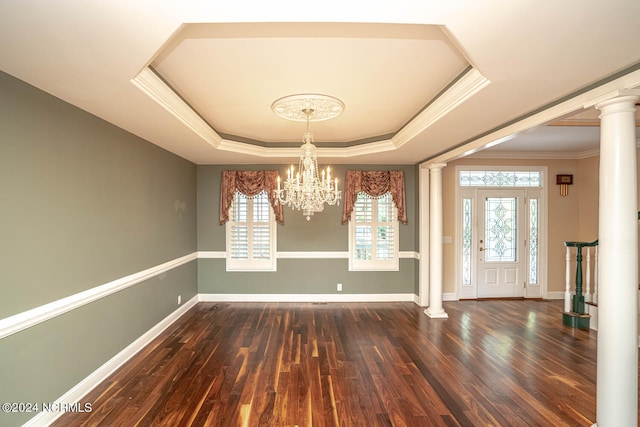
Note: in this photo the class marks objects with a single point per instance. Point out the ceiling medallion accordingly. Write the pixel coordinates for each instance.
(306, 189)
(293, 107)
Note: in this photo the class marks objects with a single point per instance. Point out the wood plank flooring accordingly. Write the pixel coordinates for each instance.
(492, 363)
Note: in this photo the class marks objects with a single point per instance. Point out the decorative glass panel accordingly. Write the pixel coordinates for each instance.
(500, 179)
(533, 241)
(501, 229)
(466, 241)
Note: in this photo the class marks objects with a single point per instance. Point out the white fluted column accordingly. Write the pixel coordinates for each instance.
(617, 367)
(435, 309)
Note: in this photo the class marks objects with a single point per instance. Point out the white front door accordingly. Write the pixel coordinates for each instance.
(501, 243)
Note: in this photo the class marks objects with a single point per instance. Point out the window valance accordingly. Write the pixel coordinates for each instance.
(375, 184)
(249, 183)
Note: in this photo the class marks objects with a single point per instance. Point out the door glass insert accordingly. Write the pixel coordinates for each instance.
(501, 229)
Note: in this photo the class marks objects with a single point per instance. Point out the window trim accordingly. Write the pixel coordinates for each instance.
(248, 265)
(375, 264)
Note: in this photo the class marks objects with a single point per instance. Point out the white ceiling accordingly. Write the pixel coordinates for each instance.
(420, 80)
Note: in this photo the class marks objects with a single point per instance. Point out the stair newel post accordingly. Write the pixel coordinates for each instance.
(567, 281)
(574, 312)
(578, 298)
(587, 291)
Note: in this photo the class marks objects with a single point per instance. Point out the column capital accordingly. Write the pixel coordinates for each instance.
(433, 166)
(618, 104)
(612, 96)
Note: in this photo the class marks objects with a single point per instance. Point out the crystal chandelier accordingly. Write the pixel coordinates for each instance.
(306, 189)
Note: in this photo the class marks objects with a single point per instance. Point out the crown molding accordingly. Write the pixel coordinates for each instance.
(467, 86)
(294, 152)
(152, 85)
(159, 91)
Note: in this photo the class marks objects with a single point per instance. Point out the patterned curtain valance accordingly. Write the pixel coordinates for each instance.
(375, 184)
(249, 183)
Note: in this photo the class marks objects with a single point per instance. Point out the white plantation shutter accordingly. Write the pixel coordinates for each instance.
(373, 236)
(251, 234)
(239, 242)
(385, 236)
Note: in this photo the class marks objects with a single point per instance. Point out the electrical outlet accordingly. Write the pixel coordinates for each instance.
(339, 287)
(179, 299)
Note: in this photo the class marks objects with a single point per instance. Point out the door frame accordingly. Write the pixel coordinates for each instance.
(466, 291)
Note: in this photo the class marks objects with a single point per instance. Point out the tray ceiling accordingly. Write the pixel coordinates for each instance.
(435, 81)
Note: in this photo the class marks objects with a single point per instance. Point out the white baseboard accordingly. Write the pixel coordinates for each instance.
(96, 377)
(451, 296)
(306, 297)
(555, 295)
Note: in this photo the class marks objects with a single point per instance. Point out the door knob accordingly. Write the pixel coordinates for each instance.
(481, 249)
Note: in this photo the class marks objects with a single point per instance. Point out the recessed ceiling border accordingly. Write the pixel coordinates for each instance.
(157, 89)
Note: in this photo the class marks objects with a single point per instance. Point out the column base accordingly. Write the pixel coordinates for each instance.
(437, 315)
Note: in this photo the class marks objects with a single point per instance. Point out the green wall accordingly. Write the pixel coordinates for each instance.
(322, 233)
(83, 203)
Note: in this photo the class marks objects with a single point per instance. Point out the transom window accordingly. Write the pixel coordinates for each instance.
(251, 236)
(373, 234)
(500, 178)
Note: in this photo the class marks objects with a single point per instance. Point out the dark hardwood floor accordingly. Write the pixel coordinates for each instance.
(492, 363)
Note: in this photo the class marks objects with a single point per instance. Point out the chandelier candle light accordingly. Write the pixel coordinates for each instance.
(304, 189)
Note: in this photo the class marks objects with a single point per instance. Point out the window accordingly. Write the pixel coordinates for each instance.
(373, 234)
(251, 234)
(500, 178)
